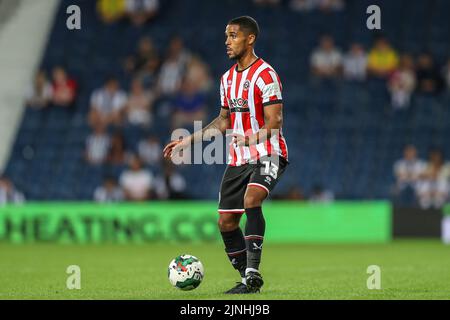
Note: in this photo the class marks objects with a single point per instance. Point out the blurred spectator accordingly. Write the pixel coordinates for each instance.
(382, 59)
(429, 80)
(137, 182)
(262, 3)
(146, 54)
(8, 192)
(173, 67)
(295, 193)
(302, 5)
(139, 106)
(40, 93)
(149, 74)
(355, 63)
(64, 88)
(189, 106)
(97, 146)
(326, 60)
(322, 5)
(319, 194)
(402, 83)
(331, 5)
(107, 104)
(407, 171)
(446, 73)
(141, 11)
(198, 74)
(150, 151)
(172, 185)
(111, 10)
(117, 152)
(433, 187)
(110, 191)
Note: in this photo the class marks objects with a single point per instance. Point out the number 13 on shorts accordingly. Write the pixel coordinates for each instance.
(270, 168)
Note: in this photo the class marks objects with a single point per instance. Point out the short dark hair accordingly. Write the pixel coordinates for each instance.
(111, 78)
(247, 24)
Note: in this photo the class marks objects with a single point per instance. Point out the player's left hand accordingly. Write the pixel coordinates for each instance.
(239, 139)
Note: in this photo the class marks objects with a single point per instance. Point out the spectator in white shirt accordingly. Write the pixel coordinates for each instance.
(139, 105)
(326, 60)
(108, 192)
(97, 146)
(433, 188)
(141, 11)
(355, 63)
(137, 182)
(173, 68)
(8, 192)
(408, 170)
(107, 104)
(40, 93)
(402, 83)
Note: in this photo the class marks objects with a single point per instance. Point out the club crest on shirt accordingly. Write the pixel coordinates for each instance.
(246, 84)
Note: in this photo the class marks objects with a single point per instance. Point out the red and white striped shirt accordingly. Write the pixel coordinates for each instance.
(245, 93)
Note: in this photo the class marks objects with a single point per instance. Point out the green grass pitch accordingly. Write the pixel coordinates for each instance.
(410, 269)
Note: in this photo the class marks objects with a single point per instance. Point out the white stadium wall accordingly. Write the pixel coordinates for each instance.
(24, 29)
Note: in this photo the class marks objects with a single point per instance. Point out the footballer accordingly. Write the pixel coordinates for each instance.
(252, 110)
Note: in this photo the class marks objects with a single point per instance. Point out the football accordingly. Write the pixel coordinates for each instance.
(186, 272)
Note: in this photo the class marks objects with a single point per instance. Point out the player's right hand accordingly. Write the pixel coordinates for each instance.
(176, 146)
(169, 148)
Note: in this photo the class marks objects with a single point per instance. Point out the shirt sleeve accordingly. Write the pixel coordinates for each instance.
(119, 101)
(315, 60)
(223, 97)
(270, 86)
(398, 168)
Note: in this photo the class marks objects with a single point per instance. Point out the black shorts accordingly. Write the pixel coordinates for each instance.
(264, 174)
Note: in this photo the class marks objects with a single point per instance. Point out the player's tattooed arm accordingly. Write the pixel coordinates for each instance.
(218, 126)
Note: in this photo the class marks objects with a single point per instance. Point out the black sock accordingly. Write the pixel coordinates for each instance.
(235, 249)
(254, 236)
